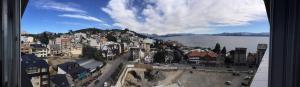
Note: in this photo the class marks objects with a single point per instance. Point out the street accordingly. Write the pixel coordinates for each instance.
(109, 69)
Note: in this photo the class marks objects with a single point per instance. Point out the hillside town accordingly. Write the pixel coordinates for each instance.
(123, 58)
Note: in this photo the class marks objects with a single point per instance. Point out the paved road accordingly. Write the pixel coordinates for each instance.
(109, 69)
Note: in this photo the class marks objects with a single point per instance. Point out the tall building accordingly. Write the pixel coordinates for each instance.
(240, 56)
(261, 49)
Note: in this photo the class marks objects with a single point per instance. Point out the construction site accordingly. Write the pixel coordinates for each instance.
(141, 75)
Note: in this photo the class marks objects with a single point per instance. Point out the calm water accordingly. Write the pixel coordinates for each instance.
(231, 42)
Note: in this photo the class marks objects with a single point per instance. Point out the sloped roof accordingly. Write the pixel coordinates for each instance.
(30, 60)
(72, 68)
(60, 80)
(202, 54)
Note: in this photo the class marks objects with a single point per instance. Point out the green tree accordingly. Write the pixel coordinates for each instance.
(90, 52)
(44, 38)
(223, 50)
(110, 37)
(159, 57)
(217, 48)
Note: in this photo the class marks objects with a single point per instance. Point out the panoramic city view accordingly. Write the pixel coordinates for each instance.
(143, 43)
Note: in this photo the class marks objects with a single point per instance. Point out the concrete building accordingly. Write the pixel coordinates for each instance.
(54, 50)
(65, 45)
(239, 57)
(136, 54)
(26, 39)
(37, 69)
(39, 50)
(261, 49)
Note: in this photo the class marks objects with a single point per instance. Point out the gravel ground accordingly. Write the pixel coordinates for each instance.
(209, 79)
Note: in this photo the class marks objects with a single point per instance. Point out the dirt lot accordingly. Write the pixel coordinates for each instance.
(208, 79)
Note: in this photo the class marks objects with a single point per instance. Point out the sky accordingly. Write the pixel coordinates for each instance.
(147, 16)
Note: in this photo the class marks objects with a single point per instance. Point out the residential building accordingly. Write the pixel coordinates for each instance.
(92, 65)
(60, 80)
(65, 45)
(75, 71)
(37, 69)
(39, 50)
(202, 57)
(240, 56)
(54, 50)
(136, 54)
(111, 49)
(261, 49)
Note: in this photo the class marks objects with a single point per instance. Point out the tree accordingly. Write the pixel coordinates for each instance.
(110, 37)
(223, 50)
(217, 48)
(44, 38)
(90, 52)
(70, 31)
(159, 57)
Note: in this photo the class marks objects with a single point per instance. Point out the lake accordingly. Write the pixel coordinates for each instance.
(231, 42)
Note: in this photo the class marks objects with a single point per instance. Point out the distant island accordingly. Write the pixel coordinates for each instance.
(266, 34)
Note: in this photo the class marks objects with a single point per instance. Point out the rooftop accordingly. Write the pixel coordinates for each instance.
(60, 80)
(72, 68)
(30, 60)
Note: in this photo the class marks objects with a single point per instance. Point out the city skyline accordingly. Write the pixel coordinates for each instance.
(152, 17)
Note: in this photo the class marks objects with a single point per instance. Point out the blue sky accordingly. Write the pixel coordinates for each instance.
(146, 16)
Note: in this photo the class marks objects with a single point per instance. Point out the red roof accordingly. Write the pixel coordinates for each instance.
(196, 54)
(202, 54)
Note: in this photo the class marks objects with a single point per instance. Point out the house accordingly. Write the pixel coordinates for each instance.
(37, 69)
(111, 49)
(91, 64)
(202, 57)
(239, 57)
(75, 71)
(39, 50)
(149, 56)
(60, 80)
(136, 54)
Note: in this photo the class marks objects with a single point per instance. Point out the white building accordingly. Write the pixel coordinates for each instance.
(39, 50)
(27, 39)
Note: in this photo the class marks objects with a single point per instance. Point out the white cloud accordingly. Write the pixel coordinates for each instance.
(58, 6)
(80, 16)
(189, 16)
(69, 23)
